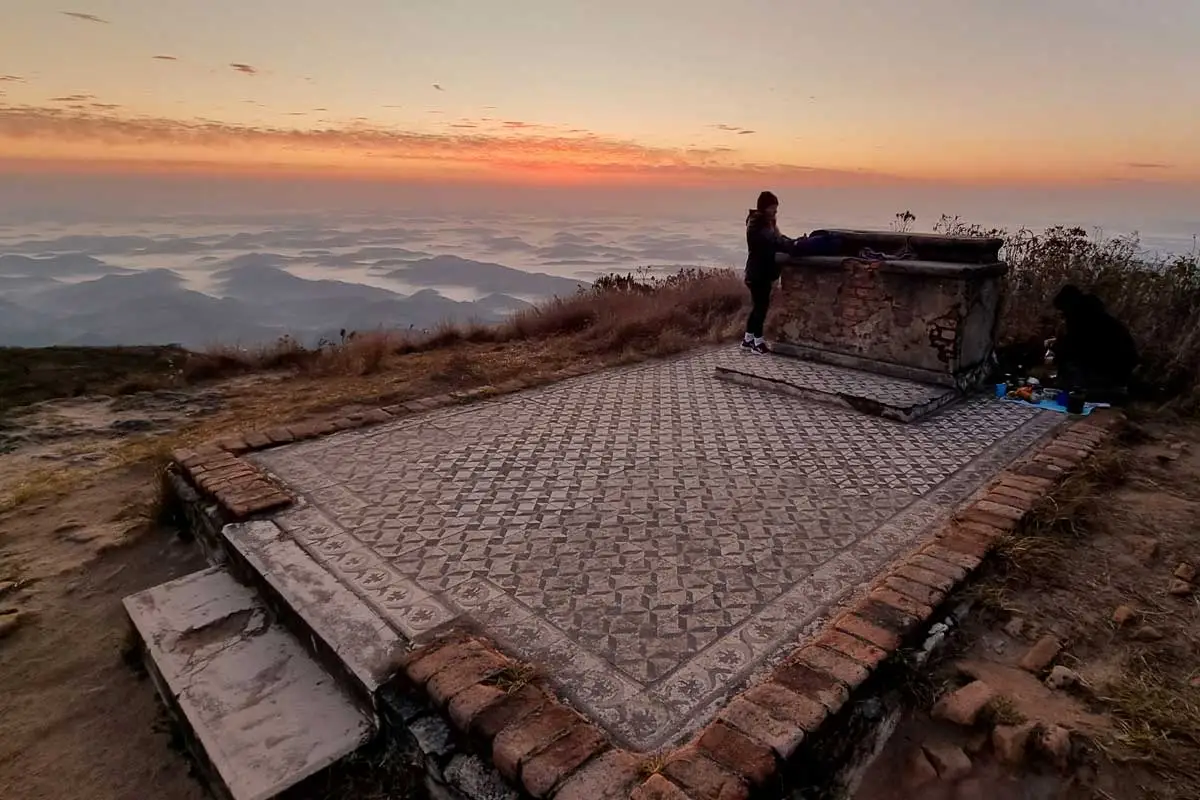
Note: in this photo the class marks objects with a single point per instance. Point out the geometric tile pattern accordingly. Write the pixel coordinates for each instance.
(652, 535)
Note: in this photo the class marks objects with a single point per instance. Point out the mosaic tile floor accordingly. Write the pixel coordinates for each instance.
(651, 535)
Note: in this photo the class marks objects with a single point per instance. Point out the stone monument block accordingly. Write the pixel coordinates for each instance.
(916, 306)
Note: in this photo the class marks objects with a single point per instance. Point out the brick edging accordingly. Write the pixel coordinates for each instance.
(552, 751)
(243, 490)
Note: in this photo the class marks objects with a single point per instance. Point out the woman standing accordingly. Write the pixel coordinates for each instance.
(763, 240)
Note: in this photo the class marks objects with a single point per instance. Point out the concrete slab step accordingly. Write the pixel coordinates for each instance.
(260, 712)
(346, 633)
(879, 395)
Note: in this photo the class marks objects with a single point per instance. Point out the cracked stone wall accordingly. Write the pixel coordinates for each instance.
(942, 324)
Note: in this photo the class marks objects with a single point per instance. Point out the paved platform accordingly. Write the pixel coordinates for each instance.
(892, 398)
(650, 535)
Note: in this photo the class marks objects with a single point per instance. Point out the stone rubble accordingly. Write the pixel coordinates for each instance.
(1041, 655)
(1061, 677)
(1147, 633)
(1011, 742)
(1123, 615)
(1055, 743)
(963, 706)
(949, 760)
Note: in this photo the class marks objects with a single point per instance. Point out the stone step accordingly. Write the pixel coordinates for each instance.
(870, 393)
(345, 633)
(259, 712)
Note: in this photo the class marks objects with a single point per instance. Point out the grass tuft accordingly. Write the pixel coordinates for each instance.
(515, 677)
(1157, 722)
(1003, 711)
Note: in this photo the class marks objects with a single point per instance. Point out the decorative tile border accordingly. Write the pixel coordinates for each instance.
(549, 750)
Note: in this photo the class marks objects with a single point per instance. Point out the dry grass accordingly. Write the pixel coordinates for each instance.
(1003, 711)
(637, 315)
(1158, 720)
(652, 764)
(41, 483)
(516, 677)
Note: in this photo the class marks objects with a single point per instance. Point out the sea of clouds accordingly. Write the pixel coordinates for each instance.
(202, 280)
(205, 280)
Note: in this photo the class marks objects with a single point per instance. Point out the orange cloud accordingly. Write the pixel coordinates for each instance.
(523, 153)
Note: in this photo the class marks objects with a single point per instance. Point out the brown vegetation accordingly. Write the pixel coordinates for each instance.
(639, 314)
(1157, 296)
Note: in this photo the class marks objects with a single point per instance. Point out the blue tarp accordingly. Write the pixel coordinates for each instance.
(1051, 405)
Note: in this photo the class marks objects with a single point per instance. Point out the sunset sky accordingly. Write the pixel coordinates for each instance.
(671, 92)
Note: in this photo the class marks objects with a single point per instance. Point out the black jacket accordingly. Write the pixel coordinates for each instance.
(763, 240)
(1094, 339)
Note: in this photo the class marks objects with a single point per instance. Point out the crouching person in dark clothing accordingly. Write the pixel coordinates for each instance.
(763, 241)
(1096, 352)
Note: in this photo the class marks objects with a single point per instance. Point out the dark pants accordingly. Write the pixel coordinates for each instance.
(760, 301)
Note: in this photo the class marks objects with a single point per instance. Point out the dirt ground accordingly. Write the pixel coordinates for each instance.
(75, 720)
(1114, 536)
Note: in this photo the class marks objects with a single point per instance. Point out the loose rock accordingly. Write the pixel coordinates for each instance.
(1179, 588)
(1011, 742)
(1015, 627)
(963, 706)
(1041, 654)
(1147, 633)
(10, 620)
(919, 771)
(976, 743)
(1123, 616)
(1144, 548)
(1055, 742)
(1061, 677)
(949, 760)
(1186, 572)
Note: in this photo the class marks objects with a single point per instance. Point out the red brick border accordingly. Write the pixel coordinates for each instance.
(551, 751)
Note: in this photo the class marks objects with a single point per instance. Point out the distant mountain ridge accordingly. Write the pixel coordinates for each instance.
(482, 276)
(253, 299)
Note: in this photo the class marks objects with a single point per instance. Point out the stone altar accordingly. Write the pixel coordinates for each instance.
(929, 315)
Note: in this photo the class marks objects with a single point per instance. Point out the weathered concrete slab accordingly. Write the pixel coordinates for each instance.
(652, 536)
(265, 713)
(357, 636)
(883, 396)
